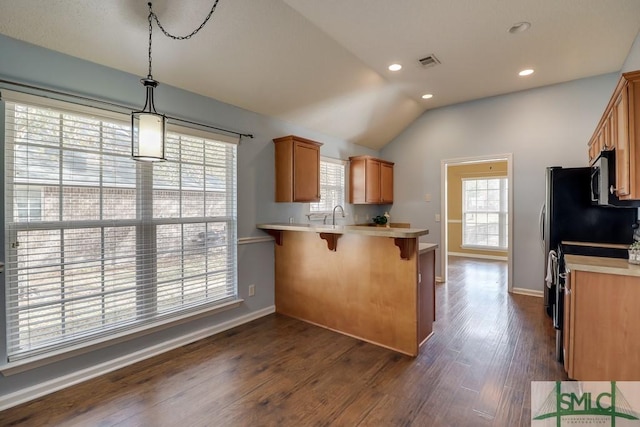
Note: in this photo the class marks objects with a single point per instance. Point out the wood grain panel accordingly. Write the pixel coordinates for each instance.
(306, 170)
(605, 334)
(284, 171)
(362, 289)
(357, 183)
(372, 179)
(386, 182)
(426, 295)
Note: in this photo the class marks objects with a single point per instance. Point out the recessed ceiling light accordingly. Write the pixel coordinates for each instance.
(427, 96)
(526, 72)
(395, 67)
(520, 27)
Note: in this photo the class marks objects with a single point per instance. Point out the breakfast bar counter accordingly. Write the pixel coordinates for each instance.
(365, 282)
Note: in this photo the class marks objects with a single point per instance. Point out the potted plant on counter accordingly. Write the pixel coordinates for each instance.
(380, 220)
(634, 253)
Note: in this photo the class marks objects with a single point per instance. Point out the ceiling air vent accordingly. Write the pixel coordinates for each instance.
(429, 61)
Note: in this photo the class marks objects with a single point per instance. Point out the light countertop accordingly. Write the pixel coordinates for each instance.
(601, 265)
(426, 247)
(348, 229)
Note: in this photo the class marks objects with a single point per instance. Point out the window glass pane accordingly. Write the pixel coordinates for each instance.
(126, 244)
(484, 212)
(332, 191)
(35, 164)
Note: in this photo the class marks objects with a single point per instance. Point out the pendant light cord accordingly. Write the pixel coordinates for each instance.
(188, 36)
(152, 16)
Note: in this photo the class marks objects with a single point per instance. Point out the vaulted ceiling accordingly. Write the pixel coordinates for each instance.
(324, 64)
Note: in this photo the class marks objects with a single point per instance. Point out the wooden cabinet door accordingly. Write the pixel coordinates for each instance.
(306, 167)
(426, 295)
(357, 182)
(593, 146)
(566, 327)
(386, 182)
(623, 157)
(372, 178)
(604, 343)
(297, 169)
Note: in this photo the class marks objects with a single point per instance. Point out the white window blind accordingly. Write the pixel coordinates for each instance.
(98, 244)
(485, 213)
(331, 185)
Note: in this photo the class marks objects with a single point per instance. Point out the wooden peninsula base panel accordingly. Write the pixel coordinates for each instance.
(357, 284)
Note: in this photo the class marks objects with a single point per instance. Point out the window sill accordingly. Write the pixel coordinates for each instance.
(484, 248)
(23, 365)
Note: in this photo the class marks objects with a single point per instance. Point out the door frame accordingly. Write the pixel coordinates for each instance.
(444, 165)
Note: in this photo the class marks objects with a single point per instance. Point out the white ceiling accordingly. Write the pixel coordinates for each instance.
(323, 64)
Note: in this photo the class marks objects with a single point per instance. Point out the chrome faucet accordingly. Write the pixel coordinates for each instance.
(334, 213)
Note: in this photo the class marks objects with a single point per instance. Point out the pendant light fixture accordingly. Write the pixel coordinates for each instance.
(148, 127)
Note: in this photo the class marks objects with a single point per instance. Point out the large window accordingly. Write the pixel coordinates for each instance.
(485, 213)
(331, 185)
(98, 244)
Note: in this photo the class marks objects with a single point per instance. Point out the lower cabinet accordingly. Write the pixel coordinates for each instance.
(601, 327)
(426, 294)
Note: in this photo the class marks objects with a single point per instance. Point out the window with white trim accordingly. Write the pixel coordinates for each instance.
(98, 244)
(485, 213)
(331, 185)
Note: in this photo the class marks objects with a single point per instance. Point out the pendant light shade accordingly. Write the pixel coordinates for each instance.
(148, 129)
(147, 126)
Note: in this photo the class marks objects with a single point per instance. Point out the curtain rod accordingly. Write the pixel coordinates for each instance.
(109, 103)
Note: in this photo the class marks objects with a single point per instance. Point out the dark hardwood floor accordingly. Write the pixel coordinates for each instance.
(276, 371)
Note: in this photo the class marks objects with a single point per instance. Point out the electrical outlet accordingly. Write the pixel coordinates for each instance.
(437, 217)
(252, 290)
(427, 197)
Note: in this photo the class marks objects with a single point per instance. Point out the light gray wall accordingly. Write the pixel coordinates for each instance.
(31, 64)
(549, 126)
(632, 63)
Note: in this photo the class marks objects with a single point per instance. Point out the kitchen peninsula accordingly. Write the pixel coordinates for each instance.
(372, 283)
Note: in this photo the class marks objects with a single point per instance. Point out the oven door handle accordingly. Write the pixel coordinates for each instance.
(543, 211)
(541, 221)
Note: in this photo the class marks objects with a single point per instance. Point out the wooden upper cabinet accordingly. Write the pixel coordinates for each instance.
(619, 130)
(297, 169)
(386, 182)
(621, 137)
(370, 180)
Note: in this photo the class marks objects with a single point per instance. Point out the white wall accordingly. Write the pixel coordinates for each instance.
(549, 126)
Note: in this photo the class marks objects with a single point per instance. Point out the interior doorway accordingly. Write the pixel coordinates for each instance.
(477, 162)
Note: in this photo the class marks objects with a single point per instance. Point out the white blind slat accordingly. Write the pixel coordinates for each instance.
(332, 185)
(98, 244)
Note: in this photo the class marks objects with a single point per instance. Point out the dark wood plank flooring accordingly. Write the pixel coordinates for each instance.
(276, 371)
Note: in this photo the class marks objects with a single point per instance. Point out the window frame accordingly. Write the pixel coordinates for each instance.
(321, 214)
(142, 325)
(502, 212)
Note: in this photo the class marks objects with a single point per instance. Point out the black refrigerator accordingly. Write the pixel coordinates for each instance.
(569, 215)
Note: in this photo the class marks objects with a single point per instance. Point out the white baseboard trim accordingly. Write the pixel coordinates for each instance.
(480, 256)
(528, 292)
(439, 279)
(47, 387)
